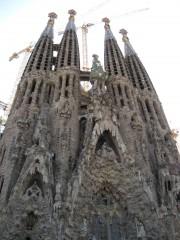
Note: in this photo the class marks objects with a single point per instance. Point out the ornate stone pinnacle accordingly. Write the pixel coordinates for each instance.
(124, 33)
(52, 15)
(72, 13)
(106, 20)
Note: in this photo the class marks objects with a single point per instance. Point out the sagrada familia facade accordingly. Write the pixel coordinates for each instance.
(96, 165)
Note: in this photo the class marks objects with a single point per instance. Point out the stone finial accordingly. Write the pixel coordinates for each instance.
(52, 16)
(124, 33)
(106, 21)
(72, 13)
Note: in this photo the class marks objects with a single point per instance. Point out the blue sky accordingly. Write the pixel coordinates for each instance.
(7, 7)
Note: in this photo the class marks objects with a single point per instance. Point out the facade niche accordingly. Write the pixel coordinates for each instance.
(59, 88)
(33, 86)
(168, 186)
(113, 91)
(148, 107)
(119, 90)
(33, 188)
(141, 109)
(159, 117)
(128, 97)
(83, 122)
(3, 151)
(39, 92)
(24, 89)
(73, 85)
(31, 221)
(49, 93)
(1, 183)
(60, 82)
(106, 142)
(106, 227)
(32, 89)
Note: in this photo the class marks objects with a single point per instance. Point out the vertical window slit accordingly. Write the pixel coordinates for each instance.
(1, 183)
(159, 117)
(141, 109)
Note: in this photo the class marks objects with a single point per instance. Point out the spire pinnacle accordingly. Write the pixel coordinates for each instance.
(52, 16)
(124, 34)
(108, 34)
(106, 21)
(48, 31)
(128, 47)
(71, 24)
(72, 13)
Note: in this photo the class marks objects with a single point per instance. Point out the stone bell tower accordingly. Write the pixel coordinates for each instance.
(87, 165)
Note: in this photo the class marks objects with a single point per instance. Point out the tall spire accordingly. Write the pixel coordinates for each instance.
(113, 58)
(68, 53)
(41, 57)
(137, 71)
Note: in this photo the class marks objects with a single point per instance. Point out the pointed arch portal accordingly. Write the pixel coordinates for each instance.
(107, 142)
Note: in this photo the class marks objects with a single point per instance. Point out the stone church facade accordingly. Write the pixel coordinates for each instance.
(96, 165)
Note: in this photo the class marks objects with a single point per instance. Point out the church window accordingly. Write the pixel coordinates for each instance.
(67, 80)
(133, 76)
(31, 220)
(113, 91)
(24, 89)
(122, 102)
(148, 107)
(3, 151)
(30, 100)
(66, 93)
(60, 82)
(169, 186)
(41, 54)
(49, 93)
(159, 117)
(70, 48)
(115, 47)
(1, 183)
(141, 109)
(178, 197)
(33, 85)
(119, 90)
(126, 92)
(75, 50)
(138, 74)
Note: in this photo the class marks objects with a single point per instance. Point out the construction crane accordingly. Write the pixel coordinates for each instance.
(3, 105)
(28, 49)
